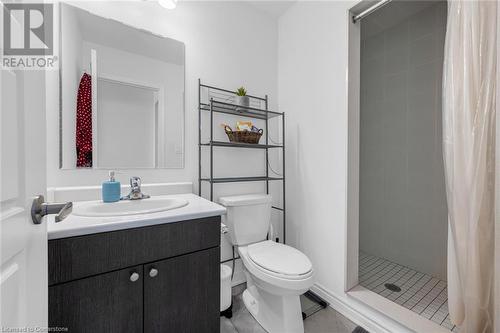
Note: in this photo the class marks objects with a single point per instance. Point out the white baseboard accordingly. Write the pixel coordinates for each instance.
(359, 313)
(391, 310)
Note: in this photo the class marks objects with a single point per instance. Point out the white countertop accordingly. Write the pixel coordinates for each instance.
(73, 225)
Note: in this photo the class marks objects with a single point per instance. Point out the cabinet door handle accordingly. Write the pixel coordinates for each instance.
(134, 276)
(153, 272)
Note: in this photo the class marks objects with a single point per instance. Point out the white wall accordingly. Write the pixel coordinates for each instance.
(402, 201)
(228, 44)
(72, 48)
(312, 81)
(312, 92)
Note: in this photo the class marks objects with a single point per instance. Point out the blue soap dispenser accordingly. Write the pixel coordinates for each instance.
(111, 189)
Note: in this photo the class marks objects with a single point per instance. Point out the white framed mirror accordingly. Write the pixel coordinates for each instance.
(121, 95)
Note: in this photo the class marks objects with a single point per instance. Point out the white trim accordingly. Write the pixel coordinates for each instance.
(359, 313)
(94, 79)
(411, 320)
(10, 212)
(352, 152)
(128, 81)
(496, 317)
(360, 306)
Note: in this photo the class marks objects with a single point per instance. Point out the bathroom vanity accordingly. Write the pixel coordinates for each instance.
(155, 272)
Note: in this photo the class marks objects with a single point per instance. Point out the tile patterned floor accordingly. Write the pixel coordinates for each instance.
(421, 293)
(323, 321)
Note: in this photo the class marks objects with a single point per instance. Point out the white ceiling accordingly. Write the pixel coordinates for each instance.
(273, 8)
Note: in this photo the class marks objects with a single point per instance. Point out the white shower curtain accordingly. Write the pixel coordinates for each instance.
(469, 81)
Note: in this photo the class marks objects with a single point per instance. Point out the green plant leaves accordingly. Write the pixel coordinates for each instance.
(241, 91)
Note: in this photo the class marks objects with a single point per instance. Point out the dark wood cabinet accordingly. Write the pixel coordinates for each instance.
(162, 278)
(183, 287)
(110, 302)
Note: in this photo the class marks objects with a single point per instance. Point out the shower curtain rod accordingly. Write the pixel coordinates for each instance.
(370, 10)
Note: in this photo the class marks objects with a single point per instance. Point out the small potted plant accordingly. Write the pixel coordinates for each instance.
(242, 98)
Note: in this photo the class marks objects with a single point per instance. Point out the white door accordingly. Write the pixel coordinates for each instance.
(23, 245)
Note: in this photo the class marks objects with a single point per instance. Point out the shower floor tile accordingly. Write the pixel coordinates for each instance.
(420, 293)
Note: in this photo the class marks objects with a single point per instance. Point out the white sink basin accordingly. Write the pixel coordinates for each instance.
(128, 207)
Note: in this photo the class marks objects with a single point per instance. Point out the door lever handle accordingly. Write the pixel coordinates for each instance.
(40, 208)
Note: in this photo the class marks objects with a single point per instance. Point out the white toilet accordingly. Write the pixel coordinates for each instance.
(276, 274)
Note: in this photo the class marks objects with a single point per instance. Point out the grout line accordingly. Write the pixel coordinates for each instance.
(387, 280)
(425, 294)
(366, 259)
(368, 276)
(412, 287)
(444, 319)
(378, 271)
(396, 282)
(374, 262)
(407, 285)
(372, 266)
(363, 261)
(410, 284)
(378, 274)
(445, 302)
(402, 284)
(433, 300)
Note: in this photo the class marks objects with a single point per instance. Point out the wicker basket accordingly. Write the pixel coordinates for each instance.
(243, 136)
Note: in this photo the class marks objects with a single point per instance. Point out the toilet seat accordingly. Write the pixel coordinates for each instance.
(280, 260)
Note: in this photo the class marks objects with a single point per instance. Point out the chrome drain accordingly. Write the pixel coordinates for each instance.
(392, 287)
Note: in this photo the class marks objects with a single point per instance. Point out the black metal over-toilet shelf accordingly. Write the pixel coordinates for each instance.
(221, 105)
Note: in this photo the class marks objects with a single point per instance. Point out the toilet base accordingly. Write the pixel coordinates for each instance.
(276, 314)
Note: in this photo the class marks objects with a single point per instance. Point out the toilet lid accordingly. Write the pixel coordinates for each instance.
(279, 258)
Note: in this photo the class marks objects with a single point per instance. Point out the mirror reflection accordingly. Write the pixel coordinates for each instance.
(122, 95)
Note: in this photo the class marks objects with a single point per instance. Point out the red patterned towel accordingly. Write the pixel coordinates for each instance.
(84, 123)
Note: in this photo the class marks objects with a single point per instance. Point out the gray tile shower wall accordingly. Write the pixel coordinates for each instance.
(403, 213)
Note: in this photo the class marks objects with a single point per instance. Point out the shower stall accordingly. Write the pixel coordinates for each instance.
(403, 226)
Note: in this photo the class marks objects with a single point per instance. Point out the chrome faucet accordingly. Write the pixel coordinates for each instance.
(135, 190)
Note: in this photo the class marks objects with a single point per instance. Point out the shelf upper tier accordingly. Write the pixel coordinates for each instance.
(240, 145)
(238, 110)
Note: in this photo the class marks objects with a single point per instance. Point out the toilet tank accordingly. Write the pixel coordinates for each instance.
(247, 217)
